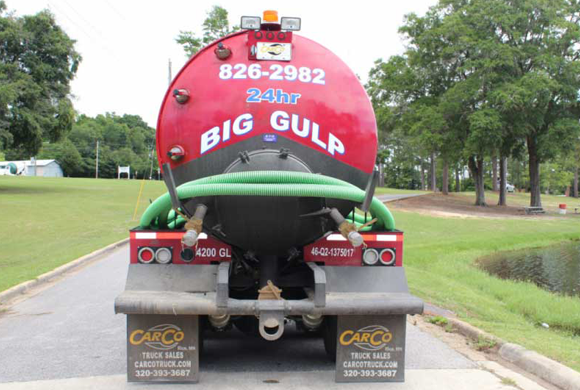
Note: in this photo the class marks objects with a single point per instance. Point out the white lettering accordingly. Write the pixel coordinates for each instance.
(246, 122)
(315, 136)
(305, 126)
(334, 144)
(279, 121)
(227, 127)
(243, 124)
(209, 139)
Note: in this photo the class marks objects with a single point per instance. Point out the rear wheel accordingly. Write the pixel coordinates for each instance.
(247, 325)
(203, 327)
(330, 329)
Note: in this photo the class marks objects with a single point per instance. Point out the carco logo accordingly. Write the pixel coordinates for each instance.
(163, 337)
(274, 49)
(369, 338)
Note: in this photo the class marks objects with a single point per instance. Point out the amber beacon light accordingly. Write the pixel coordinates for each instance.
(271, 16)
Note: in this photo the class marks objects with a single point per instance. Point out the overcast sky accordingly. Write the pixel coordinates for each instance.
(126, 44)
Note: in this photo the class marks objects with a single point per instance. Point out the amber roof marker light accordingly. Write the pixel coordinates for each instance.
(270, 16)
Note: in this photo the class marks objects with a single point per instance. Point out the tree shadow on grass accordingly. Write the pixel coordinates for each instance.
(18, 190)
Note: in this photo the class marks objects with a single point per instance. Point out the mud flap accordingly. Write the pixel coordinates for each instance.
(371, 348)
(162, 348)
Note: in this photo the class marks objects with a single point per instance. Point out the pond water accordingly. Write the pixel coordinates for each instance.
(555, 268)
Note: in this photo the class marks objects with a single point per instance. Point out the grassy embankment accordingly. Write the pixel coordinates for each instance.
(439, 257)
(47, 222)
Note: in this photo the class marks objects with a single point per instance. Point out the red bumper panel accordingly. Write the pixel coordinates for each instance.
(336, 250)
(207, 250)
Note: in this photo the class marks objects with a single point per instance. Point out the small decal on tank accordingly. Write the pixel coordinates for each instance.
(269, 138)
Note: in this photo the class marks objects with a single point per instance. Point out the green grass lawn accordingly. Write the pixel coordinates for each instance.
(439, 257)
(47, 222)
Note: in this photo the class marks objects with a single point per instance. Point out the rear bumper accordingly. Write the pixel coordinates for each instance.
(203, 290)
(181, 303)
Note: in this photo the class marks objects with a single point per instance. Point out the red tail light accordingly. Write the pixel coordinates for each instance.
(146, 255)
(387, 257)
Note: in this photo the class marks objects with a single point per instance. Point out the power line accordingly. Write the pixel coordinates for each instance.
(115, 10)
(84, 20)
(93, 39)
(51, 6)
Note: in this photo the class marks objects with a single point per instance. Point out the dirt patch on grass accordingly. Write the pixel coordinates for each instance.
(458, 206)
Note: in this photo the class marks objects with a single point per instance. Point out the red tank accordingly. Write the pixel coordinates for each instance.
(267, 100)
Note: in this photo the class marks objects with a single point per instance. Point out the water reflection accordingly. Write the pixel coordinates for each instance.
(555, 268)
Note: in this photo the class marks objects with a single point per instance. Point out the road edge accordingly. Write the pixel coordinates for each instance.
(549, 370)
(19, 289)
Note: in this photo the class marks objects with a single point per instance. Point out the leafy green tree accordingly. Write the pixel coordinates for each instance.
(557, 179)
(525, 55)
(123, 140)
(502, 73)
(37, 63)
(215, 26)
(66, 154)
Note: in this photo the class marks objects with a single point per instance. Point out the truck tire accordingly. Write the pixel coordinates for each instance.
(248, 325)
(203, 327)
(329, 335)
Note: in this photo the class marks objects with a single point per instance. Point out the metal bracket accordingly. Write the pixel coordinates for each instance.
(319, 285)
(325, 211)
(370, 191)
(170, 184)
(222, 292)
(244, 156)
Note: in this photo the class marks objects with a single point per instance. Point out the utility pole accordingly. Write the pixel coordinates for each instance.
(169, 74)
(151, 160)
(97, 162)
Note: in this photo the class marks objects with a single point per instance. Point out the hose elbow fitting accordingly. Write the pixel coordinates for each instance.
(347, 229)
(194, 226)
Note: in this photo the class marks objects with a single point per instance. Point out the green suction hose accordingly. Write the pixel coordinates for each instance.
(266, 183)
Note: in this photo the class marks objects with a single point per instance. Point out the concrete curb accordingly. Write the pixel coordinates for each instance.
(21, 288)
(549, 370)
(474, 333)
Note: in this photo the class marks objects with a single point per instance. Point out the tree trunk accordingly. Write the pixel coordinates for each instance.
(502, 181)
(433, 173)
(445, 184)
(494, 184)
(423, 187)
(457, 182)
(476, 168)
(534, 169)
(381, 175)
(575, 189)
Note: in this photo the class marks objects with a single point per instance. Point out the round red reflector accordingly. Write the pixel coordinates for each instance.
(146, 255)
(387, 257)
